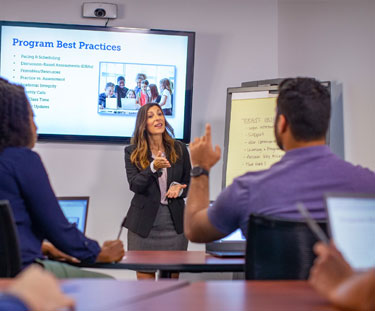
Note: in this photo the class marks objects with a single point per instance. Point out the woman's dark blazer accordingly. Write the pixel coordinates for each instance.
(144, 183)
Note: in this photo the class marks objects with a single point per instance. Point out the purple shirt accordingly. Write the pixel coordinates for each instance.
(303, 174)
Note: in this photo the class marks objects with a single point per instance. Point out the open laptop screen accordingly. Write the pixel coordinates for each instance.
(75, 210)
(233, 245)
(351, 219)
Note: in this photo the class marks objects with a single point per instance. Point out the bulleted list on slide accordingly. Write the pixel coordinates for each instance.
(42, 75)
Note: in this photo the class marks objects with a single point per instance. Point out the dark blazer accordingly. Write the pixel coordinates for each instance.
(144, 183)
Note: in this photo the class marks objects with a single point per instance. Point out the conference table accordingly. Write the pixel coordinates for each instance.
(236, 296)
(168, 262)
(164, 295)
(108, 294)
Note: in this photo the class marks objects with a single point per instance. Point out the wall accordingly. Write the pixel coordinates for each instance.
(335, 40)
(236, 41)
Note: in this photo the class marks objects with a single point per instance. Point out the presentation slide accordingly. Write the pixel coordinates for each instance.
(252, 145)
(69, 73)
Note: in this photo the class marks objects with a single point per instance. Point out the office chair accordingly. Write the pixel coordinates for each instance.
(10, 255)
(279, 249)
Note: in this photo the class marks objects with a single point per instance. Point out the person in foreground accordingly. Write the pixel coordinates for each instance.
(25, 184)
(334, 279)
(34, 290)
(158, 172)
(306, 171)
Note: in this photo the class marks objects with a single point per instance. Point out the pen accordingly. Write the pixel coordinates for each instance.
(119, 234)
(318, 232)
(121, 226)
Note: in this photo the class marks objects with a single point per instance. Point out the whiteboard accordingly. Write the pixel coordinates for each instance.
(250, 143)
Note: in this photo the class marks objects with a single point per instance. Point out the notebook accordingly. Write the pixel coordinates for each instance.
(75, 210)
(128, 104)
(351, 223)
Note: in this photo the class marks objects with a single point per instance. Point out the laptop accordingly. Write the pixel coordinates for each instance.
(111, 103)
(351, 224)
(75, 210)
(128, 104)
(233, 245)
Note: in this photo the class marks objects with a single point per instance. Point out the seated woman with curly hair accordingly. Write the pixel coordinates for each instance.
(25, 184)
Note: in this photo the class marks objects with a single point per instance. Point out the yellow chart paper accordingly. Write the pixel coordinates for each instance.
(252, 145)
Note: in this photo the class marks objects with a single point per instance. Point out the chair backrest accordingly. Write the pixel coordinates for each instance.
(279, 249)
(10, 256)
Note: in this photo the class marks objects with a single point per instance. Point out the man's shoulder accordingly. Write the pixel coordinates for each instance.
(358, 174)
(344, 167)
(250, 176)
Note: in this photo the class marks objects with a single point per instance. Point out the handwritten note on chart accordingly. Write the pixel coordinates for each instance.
(252, 145)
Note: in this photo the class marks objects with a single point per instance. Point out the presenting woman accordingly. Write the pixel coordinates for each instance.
(158, 172)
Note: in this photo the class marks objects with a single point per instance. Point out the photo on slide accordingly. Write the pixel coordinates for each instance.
(124, 87)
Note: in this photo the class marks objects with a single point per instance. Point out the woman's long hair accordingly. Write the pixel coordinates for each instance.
(166, 84)
(15, 127)
(154, 91)
(140, 156)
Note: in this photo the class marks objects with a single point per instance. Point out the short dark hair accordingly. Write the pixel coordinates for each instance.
(15, 127)
(109, 84)
(120, 78)
(306, 105)
(141, 76)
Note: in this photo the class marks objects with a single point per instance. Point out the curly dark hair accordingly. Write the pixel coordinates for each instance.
(15, 127)
(306, 105)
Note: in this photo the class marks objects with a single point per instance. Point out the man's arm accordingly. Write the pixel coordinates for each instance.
(333, 277)
(197, 225)
(39, 290)
(357, 292)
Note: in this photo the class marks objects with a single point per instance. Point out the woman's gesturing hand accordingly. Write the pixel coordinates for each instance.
(174, 191)
(160, 161)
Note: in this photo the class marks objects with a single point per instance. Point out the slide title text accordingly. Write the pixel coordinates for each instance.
(66, 45)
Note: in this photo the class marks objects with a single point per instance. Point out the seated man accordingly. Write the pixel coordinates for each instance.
(25, 184)
(306, 171)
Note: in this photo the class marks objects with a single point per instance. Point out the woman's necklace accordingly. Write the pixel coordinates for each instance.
(155, 151)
